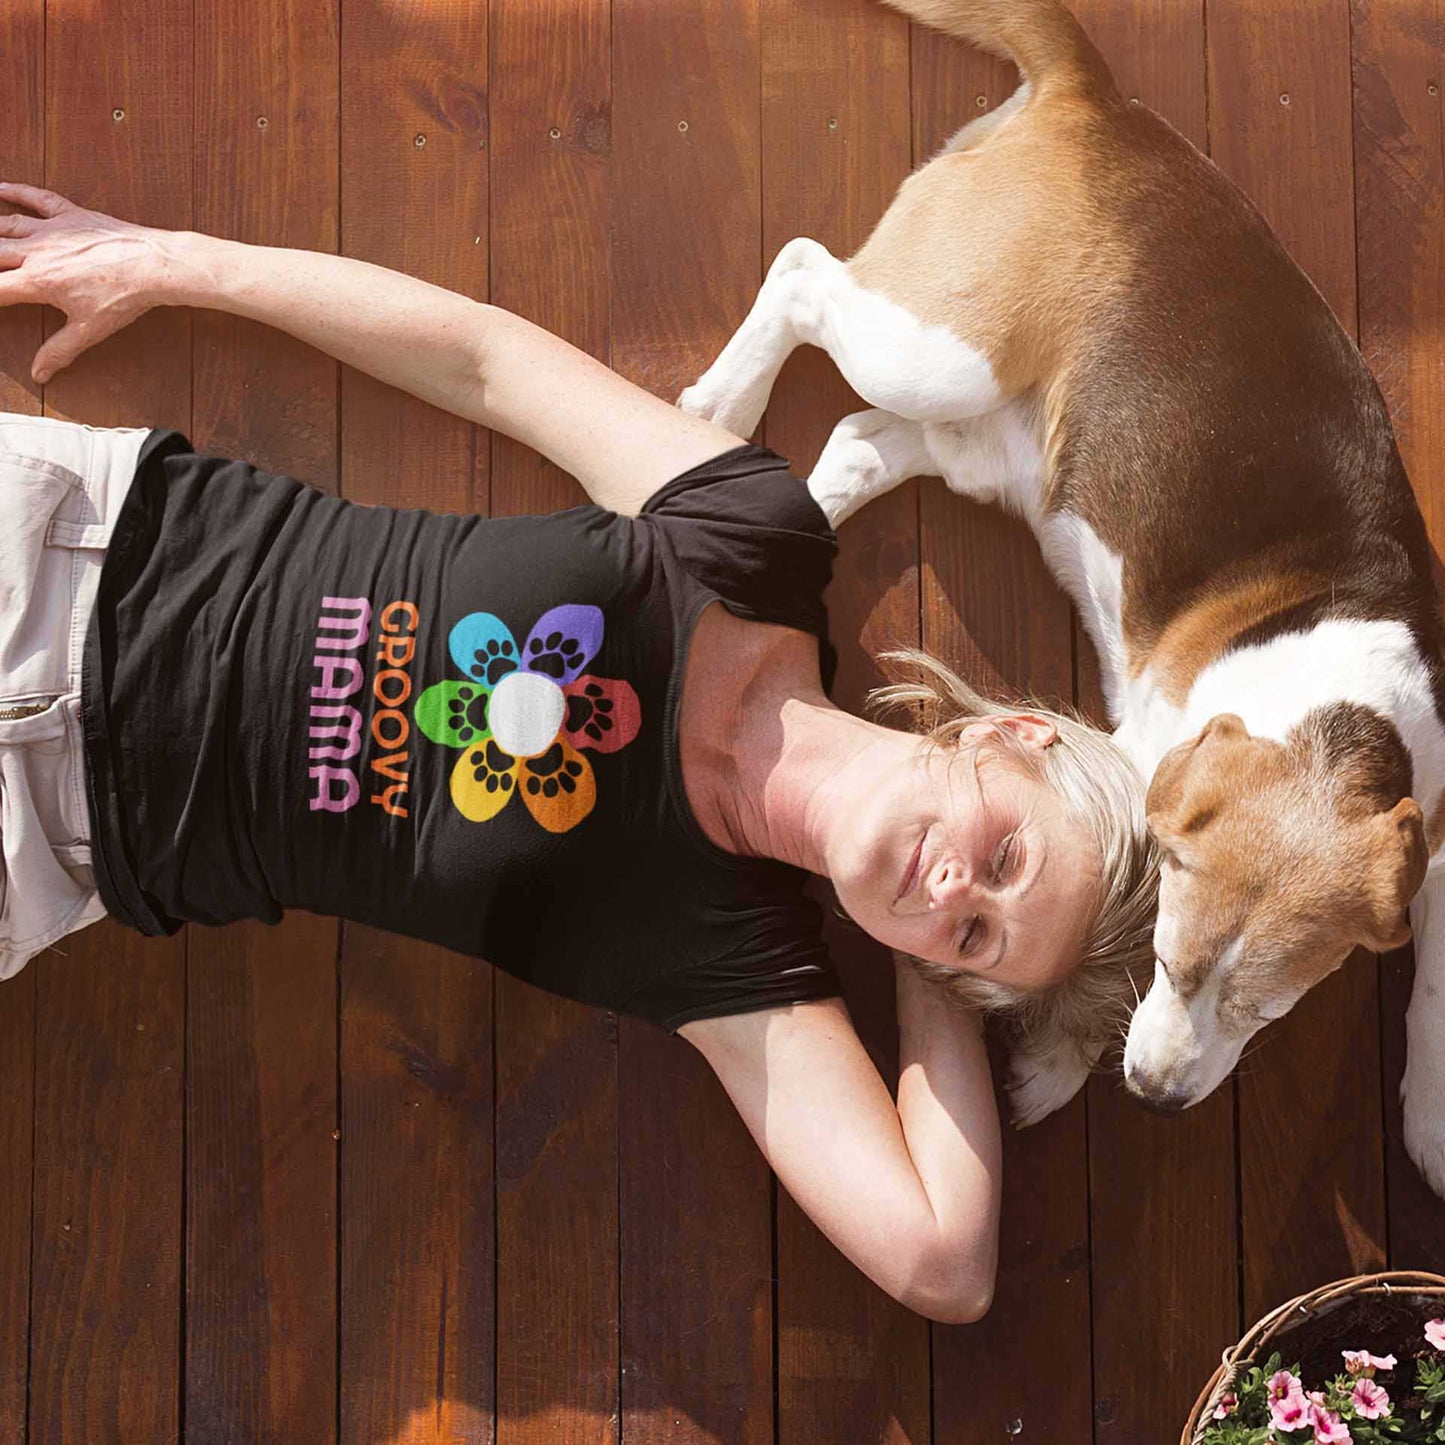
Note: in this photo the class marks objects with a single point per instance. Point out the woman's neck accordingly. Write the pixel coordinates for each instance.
(773, 759)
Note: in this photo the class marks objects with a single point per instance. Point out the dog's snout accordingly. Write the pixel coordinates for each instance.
(1158, 1092)
(1158, 1101)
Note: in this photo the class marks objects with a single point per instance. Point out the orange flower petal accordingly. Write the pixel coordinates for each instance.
(558, 786)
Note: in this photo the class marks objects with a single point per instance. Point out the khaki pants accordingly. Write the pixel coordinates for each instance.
(61, 487)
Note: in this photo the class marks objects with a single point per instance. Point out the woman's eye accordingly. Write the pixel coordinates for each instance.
(1002, 856)
(972, 936)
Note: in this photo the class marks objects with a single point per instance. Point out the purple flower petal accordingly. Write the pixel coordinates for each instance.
(563, 642)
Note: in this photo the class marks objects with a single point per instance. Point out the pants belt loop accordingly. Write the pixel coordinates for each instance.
(78, 536)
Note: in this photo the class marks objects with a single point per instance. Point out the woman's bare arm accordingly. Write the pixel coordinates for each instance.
(910, 1193)
(475, 360)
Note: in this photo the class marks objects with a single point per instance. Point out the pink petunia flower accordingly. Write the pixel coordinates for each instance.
(1227, 1406)
(1370, 1401)
(1282, 1384)
(1435, 1334)
(1362, 1362)
(1288, 1412)
(1328, 1427)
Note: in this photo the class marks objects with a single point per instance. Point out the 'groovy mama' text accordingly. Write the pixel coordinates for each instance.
(343, 630)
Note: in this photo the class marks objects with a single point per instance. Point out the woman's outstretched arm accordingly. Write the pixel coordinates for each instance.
(475, 360)
(909, 1192)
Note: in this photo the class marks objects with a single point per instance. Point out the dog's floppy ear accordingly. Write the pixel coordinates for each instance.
(1394, 870)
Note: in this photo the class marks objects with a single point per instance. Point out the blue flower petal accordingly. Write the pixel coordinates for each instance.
(483, 648)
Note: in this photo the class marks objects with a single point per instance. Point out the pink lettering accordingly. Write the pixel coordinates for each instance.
(326, 780)
(332, 667)
(345, 727)
(352, 621)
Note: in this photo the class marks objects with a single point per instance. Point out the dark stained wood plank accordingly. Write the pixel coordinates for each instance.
(991, 610)
(1400, 220)
(22, 63)
(852, 1363)
(17, 1104)
(1279, 85)
(557, 1346)
(417, 1215)
(694, 1196)
(105, 1331)
(105, 1328)
(260, 1360)
(260, 1348)
(417, 1228)
(1164, 1231)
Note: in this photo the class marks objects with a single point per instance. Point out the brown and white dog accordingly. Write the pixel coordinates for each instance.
(1071, 312)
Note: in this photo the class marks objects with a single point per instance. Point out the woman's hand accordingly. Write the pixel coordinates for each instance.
(101, 272)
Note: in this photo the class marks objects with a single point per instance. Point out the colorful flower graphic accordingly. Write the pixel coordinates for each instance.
(524, 714)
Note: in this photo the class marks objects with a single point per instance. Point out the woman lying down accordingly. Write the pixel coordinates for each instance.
(594, 747)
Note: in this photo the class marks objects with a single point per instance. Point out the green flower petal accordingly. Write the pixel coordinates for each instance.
(453, 714)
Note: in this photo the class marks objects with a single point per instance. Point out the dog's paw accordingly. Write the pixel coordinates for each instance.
(1039, 1083)
(697, 400)
(1423, 1092)
(736, 411)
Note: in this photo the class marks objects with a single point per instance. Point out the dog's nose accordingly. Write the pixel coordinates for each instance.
(1159, 1099)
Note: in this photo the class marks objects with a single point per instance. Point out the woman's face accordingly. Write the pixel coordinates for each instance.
(968, 860)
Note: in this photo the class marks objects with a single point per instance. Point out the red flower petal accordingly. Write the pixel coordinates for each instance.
(603, 713)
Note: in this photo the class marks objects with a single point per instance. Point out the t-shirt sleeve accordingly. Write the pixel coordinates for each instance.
(783, 960)
(747, 529)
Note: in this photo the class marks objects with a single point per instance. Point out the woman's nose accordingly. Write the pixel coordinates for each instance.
(949, 884)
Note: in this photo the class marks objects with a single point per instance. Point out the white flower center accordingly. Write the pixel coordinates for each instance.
(525, 713)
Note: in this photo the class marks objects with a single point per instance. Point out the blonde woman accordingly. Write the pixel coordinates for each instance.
(595, 747)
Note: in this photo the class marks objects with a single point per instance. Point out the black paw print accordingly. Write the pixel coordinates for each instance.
(589, 712)
(549, 775)
(492, 768)
(467, 714)
(494, 661)
(554, 654)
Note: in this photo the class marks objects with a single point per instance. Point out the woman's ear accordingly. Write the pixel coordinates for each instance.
(1029, 728)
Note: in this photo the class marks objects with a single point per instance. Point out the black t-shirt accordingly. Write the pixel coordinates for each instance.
(452, 727)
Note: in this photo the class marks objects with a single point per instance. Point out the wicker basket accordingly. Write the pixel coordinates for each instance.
(1289, 1316)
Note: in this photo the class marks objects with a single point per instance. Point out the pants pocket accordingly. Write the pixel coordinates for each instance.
(47, 886)
(37, 581)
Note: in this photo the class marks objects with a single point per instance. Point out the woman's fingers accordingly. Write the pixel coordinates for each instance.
(18, 289)
(47, 203)
(11, 255)
(19, 225)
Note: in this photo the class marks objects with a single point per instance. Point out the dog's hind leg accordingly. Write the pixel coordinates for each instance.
(734, 390)
(894, 361)
(997, 457)
(869, 453)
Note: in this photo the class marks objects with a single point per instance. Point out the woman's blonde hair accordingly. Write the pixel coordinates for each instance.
(1101, 790)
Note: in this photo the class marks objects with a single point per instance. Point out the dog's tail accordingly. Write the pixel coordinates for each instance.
(1040, 36)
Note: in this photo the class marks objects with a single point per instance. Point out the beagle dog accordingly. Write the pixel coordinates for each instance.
(1070, 311)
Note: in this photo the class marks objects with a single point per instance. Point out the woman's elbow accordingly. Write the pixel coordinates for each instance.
(955, 1289)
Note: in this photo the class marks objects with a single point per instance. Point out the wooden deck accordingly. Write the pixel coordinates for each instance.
(314, 1184)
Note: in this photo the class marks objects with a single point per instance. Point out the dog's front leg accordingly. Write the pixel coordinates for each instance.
(1423, 1088)
(734, 390)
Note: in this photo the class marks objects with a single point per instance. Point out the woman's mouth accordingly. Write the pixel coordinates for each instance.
(910, 877)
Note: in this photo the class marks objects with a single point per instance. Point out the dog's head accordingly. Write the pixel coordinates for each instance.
(1279, 858)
